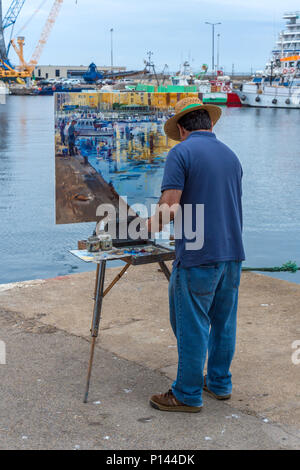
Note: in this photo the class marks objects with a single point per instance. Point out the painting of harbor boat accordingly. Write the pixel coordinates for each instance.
(107, 145)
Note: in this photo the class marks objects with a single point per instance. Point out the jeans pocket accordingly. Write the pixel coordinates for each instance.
(202, 279)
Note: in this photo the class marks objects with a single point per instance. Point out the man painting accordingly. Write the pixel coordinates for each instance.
(202, 172)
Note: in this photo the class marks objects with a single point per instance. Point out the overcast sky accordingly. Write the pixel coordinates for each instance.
(174, 30)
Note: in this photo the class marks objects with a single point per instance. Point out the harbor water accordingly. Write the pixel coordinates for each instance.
(267, 142)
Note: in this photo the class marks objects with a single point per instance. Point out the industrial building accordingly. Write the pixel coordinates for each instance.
(69, 71)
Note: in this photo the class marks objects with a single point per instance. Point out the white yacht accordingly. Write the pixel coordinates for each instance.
(278, 86)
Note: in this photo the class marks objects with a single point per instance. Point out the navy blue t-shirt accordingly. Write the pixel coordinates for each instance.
(210, 176)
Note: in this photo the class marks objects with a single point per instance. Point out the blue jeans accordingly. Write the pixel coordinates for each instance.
(203, 314)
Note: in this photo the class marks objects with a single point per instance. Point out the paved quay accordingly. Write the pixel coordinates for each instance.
(45, 326)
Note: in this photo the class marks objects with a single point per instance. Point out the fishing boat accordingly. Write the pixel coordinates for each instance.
(278, 85)
(218, 91)
(267, 94)
(90, 127)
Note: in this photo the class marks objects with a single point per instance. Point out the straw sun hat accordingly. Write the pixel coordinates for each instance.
(185, 106)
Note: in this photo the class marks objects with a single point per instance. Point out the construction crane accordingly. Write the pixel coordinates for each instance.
(9, 20)
(37, 10)
(28, 67)
(2, 43)
(6, 69)
(12, 13)
(25, 69)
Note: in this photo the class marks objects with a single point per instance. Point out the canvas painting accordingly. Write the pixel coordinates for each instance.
(109, 146)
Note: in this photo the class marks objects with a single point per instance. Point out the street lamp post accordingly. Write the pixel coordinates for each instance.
(213, 44)
(111, 50)
(218, 52)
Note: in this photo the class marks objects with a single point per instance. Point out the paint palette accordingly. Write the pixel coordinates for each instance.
(136, 254)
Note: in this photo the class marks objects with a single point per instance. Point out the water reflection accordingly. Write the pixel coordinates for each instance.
(32, 246)
(129, 154)
(3, 131)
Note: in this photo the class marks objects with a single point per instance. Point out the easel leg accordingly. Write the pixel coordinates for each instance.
(95, 291)
(165, 269)
(89, 370)
(99, 295)
(100, 276)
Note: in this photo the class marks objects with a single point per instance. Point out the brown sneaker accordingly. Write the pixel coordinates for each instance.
(168, 402)
(214, 395)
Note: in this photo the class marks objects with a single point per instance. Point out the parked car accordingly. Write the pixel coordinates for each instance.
(74, 81)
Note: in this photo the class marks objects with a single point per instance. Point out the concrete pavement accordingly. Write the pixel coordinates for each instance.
(45, 325)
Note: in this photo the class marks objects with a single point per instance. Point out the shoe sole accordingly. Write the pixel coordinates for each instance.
(183, 409)
(217, 397)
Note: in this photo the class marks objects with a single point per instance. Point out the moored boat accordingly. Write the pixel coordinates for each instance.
(90, 127)
(278, 86)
